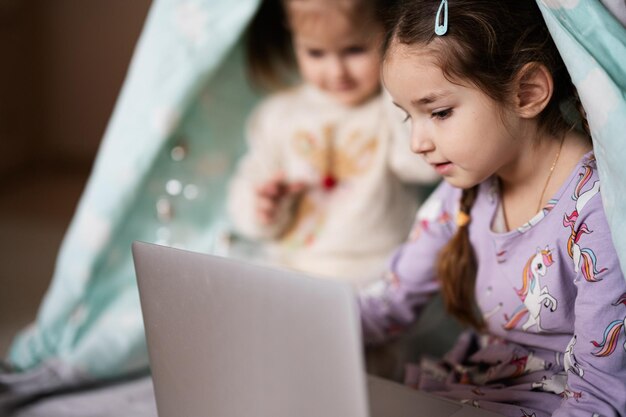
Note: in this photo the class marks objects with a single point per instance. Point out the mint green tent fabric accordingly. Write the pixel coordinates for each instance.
(159, 177)
(592, 43)
(171, 145)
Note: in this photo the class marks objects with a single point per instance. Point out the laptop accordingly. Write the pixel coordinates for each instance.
(232, 339)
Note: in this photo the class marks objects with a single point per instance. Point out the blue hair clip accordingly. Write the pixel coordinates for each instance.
(441, 25)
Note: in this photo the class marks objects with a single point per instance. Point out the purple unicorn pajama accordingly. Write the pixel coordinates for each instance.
(552, 295)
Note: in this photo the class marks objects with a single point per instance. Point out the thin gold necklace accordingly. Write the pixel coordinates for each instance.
(545, 187)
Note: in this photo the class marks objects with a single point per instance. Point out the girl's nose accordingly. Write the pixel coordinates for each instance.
(337, 67)
(420, 141)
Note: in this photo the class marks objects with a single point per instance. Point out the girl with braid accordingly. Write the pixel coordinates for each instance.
(516, 237)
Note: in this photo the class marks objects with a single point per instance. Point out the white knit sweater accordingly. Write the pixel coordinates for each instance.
(347, 231)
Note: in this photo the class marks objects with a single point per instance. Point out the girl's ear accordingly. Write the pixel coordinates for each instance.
(533, 90)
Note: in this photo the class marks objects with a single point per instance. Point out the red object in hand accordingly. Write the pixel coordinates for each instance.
(329, 182)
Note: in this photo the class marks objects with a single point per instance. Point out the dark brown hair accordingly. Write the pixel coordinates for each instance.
(269, 51)
(487, 44)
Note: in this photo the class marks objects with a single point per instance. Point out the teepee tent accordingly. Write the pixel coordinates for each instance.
(159, 177)
(171, 145)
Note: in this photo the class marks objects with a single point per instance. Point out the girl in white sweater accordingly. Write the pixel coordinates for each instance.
(327, 178)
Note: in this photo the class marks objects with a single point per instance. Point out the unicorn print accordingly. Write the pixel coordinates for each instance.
(572, 394)
(492, 312)
(532, 294)
(611, 333)
(557, 383)
(430, 212)
(537, 218)
(569, 360)
(526, 364)
(584, 258)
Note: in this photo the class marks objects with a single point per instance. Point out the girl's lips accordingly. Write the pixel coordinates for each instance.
(443, 168)
(343, 88)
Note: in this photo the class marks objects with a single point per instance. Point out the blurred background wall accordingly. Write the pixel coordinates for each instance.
(62, 63)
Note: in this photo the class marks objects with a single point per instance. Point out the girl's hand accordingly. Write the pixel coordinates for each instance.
(272, 194)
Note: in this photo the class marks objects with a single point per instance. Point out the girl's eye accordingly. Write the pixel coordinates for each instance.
(442, 114)
(315, 53)
(354, 50)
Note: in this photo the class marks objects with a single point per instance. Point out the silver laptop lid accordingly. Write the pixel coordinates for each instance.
(231, 339)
